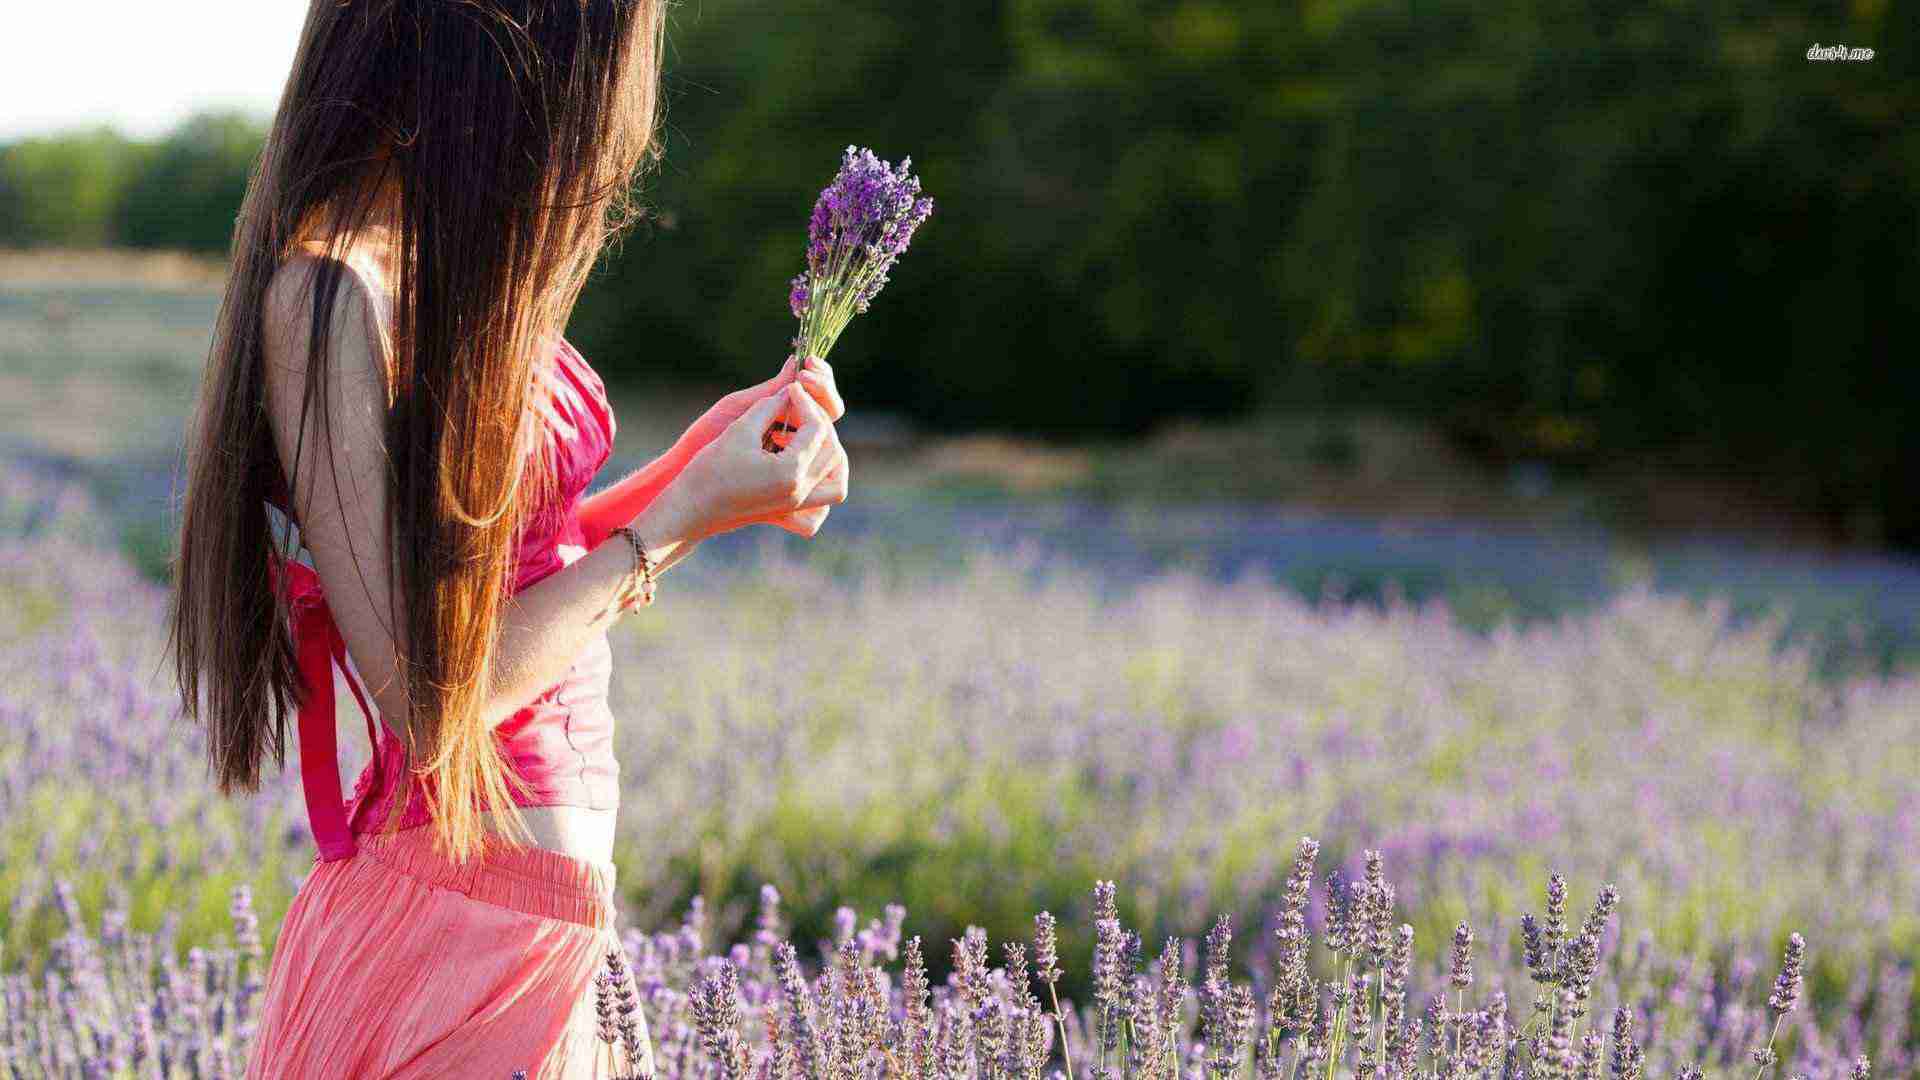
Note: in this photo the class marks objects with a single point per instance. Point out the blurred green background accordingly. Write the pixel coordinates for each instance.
(1610, 240)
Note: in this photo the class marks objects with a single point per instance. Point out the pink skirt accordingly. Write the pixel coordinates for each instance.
(396, 963)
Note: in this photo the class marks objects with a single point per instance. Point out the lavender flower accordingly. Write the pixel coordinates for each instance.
(1219, 941)
(716, 1015)
(1046, 949)
(1628, 1060)
(861, 224)
(970, 965)
(1144, 1050)
(1288, 1001)
(1535, 943)
(1231, 1041)
(603, 1008)
(1377, 910)
(1217, 1014)
(1786, 987)
(1591, 1045)
(768, 922)
(1479, 1038)
(1393, 995)
(1558, 1050)
(1556, 928)
(1786, 994)
(917, 1016)
(1173, 988)
(1460, 973)
(799, 1009)
(1339, 925)
(1360, 919)
(626, 1004)
(1109, 981)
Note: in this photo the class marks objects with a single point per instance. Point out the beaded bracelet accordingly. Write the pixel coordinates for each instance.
(642, 569)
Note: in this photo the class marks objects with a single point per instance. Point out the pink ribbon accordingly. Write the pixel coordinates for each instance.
(317, 647)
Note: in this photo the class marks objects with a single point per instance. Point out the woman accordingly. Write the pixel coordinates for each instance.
(388, 371)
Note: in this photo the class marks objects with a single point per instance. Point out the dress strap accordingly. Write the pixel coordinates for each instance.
(317, 647)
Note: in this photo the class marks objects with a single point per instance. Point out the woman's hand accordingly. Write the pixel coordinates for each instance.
(816, 377)
(617, 503)
(733, 481)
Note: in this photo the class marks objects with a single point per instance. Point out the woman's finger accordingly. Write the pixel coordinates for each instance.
(823, 391)
(831, 458)
(819, 364)
(787, 371)
(761, 414)
(832, 488)
(804, 523)
(805, 520)
(814, 433)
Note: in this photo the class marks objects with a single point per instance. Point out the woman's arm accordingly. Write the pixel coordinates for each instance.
(341, 505)
(622, 501)
(548, 623)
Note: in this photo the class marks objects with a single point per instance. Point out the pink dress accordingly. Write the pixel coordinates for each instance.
(395, 962)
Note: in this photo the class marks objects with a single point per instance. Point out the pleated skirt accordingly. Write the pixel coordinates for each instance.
(396, 963)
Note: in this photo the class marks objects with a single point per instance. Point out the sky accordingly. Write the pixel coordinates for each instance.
(141, 65)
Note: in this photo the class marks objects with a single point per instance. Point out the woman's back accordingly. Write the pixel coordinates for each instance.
(566, 396)
(559, 744)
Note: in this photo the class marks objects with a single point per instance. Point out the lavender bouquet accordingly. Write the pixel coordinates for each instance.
(861, 223)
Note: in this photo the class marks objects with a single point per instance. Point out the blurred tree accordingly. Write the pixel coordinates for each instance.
(189, 191)
(1092, 265)
(62, 190)
(1647, 234)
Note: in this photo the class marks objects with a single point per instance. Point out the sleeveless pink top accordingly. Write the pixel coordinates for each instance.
(560, 745)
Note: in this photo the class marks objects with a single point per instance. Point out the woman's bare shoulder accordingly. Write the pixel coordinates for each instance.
(359, 317)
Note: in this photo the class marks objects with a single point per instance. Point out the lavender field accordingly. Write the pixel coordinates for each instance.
(955, 710)
(982, 743)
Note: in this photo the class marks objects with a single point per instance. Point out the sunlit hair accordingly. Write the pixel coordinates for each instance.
(512, 131)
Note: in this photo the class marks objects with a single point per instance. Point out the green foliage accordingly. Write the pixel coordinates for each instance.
(188, 194)
(65, 189)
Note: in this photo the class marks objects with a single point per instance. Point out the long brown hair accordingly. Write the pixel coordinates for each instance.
(512, 131)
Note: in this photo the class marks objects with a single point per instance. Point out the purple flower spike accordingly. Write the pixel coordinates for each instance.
(1786, 987)
(1460, 972)
(798, 295)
